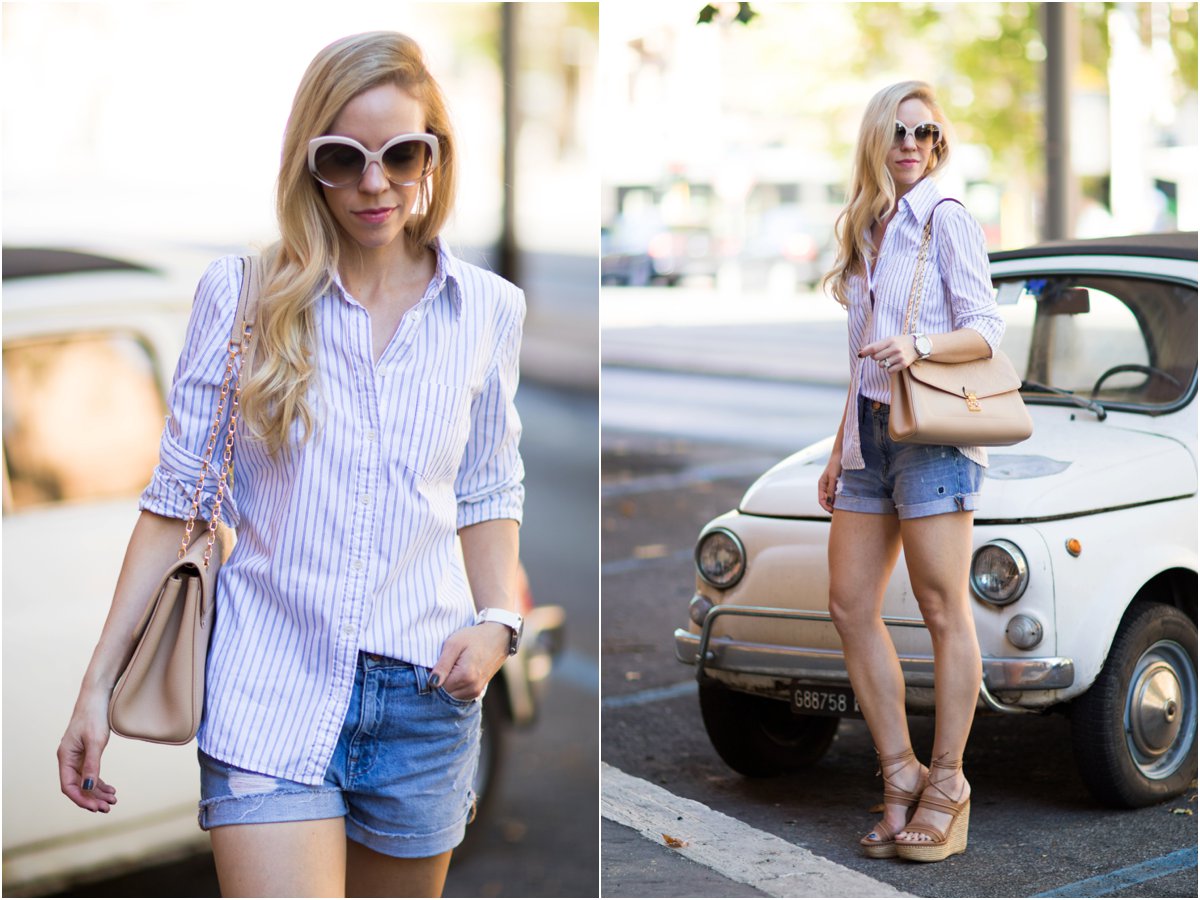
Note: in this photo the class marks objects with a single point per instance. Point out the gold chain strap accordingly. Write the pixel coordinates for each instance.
(225, 473)
(226, 470)
(918, 286)
(208, 454)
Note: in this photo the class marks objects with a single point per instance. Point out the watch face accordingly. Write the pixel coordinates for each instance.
(924, 345)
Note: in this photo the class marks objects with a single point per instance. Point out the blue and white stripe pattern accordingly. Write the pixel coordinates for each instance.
(347, 543)
(957, 294)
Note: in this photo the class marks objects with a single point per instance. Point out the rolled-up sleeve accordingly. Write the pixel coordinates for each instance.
(192, 402)
(488, 485)
(963, 261)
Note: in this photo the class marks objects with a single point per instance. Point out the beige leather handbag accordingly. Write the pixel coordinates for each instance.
(160, 694)
(970, 404)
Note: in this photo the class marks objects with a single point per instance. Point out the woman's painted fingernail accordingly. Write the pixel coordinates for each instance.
(88, 784)
(435, 680)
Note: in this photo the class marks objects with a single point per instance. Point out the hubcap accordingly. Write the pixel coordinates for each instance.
(1155, 713)
(1160, 715)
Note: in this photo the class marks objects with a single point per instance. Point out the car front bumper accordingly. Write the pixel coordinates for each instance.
(1001, 675)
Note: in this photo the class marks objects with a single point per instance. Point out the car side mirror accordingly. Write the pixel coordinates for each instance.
(1065, 302)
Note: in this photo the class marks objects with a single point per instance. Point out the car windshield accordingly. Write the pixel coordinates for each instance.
(1122, 341)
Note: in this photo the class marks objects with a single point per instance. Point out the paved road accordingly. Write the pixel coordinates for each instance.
(541, 837)
(1035, 830)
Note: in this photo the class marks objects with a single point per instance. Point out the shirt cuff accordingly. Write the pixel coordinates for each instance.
(991, 330)
(173, 485)
(507, 503)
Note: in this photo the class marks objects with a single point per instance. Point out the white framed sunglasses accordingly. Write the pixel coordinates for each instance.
(926, 133)
(406, 159)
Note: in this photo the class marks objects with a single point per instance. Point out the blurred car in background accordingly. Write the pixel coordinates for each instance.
(90, 342)
(786, 248)
(622, 265)
(643, 249)
(1083, 576)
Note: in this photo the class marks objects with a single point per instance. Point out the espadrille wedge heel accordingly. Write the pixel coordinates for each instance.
(954, 839)
(881, 844)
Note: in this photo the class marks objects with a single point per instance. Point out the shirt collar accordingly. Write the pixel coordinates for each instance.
(447, 277)
(921, 199)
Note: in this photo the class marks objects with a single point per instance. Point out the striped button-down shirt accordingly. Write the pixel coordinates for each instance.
(347, 542)
(957, 294)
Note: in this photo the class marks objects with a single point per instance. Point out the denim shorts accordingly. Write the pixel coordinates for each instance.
(910, 480)
(401, 774)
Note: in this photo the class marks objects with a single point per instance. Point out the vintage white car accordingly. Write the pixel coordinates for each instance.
(90, 341)
(1084, 568)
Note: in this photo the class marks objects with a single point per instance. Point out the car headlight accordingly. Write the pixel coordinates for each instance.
(720, 558)
(999, 572)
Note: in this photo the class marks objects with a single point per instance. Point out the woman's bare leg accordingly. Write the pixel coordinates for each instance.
(373, 874)
(937, 550)
(863, 548)
(281, 859)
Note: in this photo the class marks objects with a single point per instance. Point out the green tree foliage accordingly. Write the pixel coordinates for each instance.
(710, 13)
(988, 66)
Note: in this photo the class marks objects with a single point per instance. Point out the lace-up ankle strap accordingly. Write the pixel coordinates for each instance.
(900, 760)
(948, 767)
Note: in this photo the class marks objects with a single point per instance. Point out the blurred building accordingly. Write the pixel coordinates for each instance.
(164, 120)
(735, 140)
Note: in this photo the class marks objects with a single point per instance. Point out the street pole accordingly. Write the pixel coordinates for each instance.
(509, 263)
(1059, 36)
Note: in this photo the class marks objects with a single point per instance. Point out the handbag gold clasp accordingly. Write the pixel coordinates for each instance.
(972, 401)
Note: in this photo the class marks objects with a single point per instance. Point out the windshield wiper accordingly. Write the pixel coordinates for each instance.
(1092, 405)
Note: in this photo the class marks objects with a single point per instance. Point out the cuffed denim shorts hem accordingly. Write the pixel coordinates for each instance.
(408, 846)
(906, 480)
(401, 775)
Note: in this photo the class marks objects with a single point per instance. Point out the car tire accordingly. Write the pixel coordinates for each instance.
(1134, 731)
(760, 736)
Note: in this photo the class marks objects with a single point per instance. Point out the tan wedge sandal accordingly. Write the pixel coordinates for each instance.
(935, 797)
(883, 845)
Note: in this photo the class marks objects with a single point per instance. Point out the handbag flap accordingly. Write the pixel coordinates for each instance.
(981, 377)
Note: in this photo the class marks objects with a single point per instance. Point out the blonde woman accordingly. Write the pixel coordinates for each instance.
(883, 495)
(341, 726)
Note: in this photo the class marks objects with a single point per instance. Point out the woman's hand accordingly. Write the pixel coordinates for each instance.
(892, 354)
(79, 755)
(469, 659)
(827, 486)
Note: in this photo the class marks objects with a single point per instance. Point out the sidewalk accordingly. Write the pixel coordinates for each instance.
(793, 338)
(561, 341)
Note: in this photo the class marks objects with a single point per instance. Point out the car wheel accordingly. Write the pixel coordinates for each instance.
(760, 736)
(1134, 731)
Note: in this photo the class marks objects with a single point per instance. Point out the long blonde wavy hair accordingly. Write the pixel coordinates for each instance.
(872, 193)
(297, 269)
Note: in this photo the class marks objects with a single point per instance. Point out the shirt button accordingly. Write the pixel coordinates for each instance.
(356, 564)
(365, 499)
(371, 436)
(348, 629)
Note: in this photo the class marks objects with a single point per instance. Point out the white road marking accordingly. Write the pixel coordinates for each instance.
(734, 849)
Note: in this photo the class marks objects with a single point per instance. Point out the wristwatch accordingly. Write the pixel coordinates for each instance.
(923, 344)
(505, 617)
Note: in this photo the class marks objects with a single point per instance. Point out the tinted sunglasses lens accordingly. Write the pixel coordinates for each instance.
(338, 164)
(925, 133)
(407, 162)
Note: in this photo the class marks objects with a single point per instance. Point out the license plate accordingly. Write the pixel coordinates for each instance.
(813, 700)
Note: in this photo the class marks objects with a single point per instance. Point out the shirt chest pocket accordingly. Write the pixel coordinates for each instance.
(438, 424)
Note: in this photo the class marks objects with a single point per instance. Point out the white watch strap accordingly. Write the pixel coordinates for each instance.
(502, 616)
